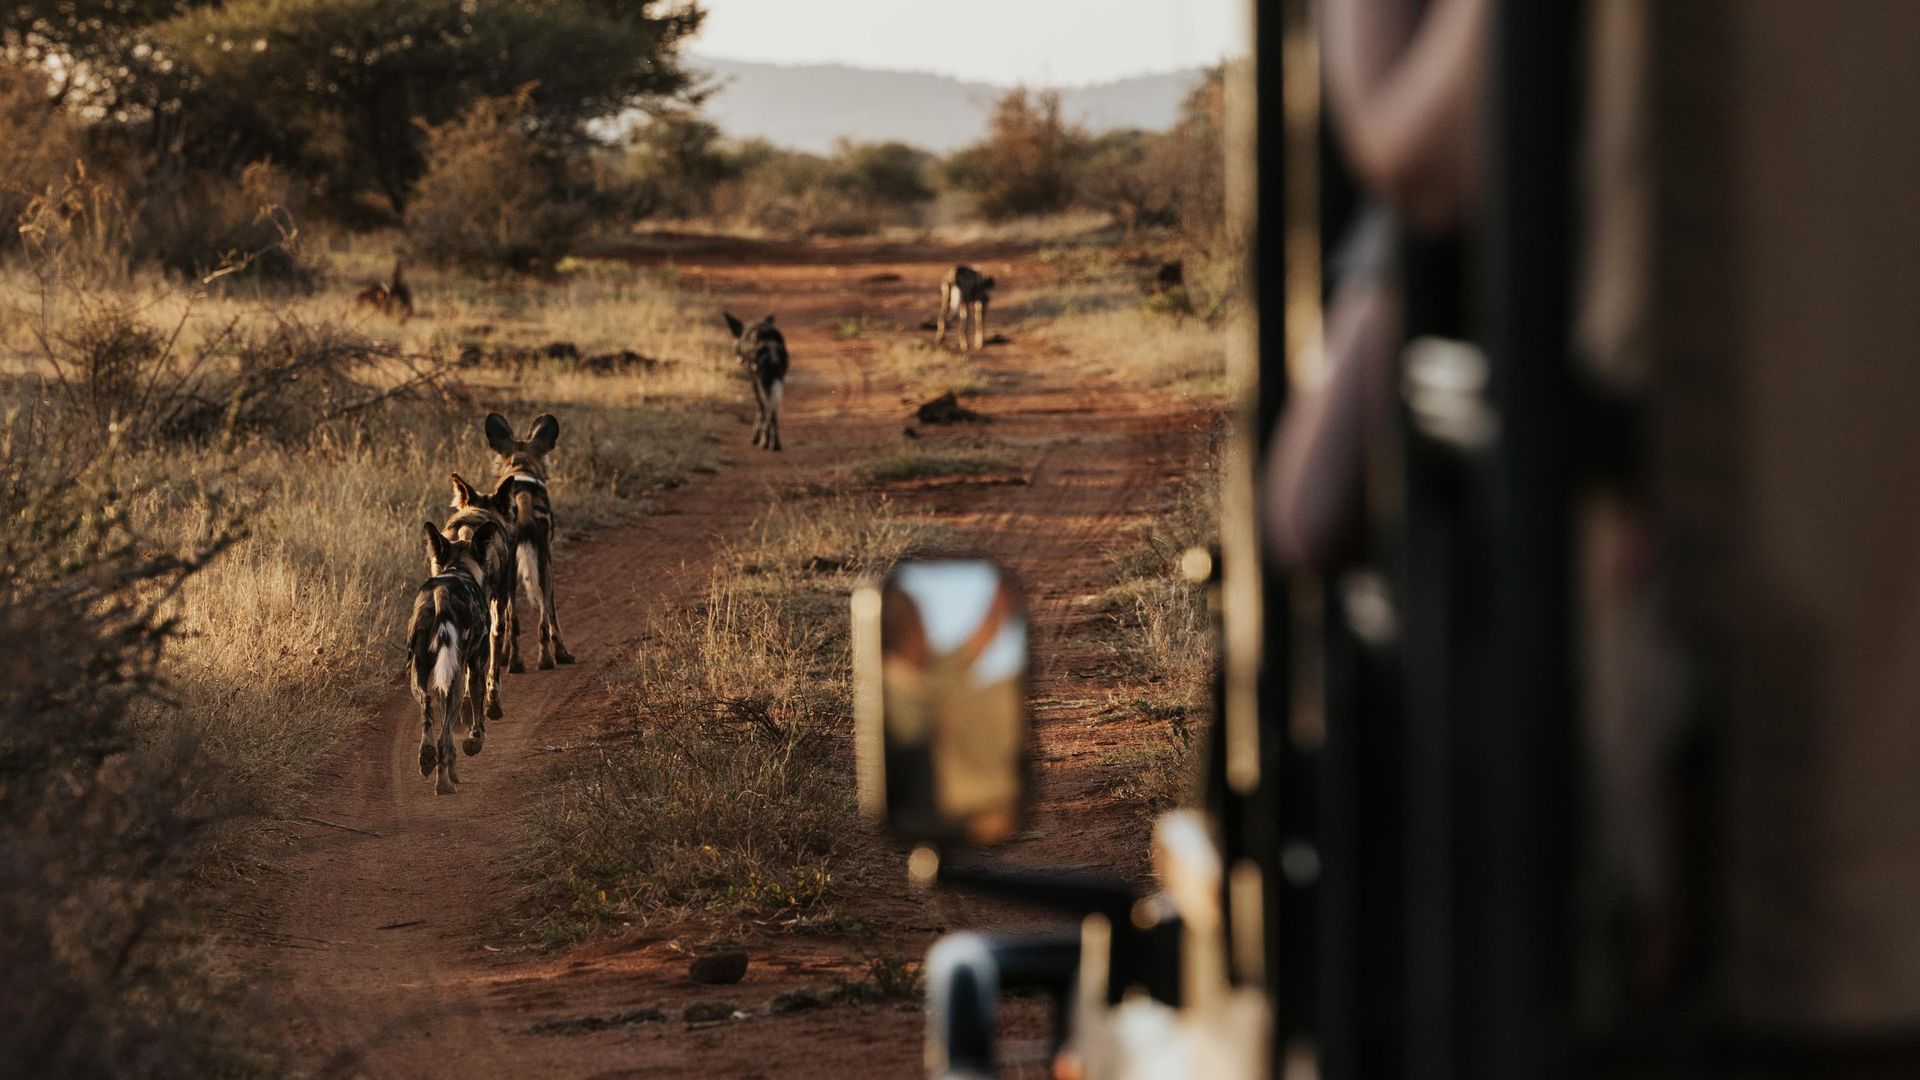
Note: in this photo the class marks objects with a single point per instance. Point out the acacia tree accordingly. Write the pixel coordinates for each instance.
(343, 87)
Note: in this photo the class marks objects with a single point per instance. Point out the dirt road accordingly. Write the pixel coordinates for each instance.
(385, 941)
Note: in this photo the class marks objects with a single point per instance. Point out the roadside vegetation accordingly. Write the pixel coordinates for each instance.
(1163, 643)
(212, 503)
(725, 787)
(217, 460)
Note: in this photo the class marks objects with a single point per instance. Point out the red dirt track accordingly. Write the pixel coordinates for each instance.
(391, 951)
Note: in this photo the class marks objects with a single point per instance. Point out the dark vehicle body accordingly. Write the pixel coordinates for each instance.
(1596, 757)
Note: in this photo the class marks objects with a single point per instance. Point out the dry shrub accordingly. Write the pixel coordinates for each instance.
(280, 383)
(1164, 646)
(209, 226)
(730, 788)
(1029, 162)
(38, 143)
(791, 193)
(492, 195)
(101, 817)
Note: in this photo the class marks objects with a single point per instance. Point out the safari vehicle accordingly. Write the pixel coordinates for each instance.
(1596, 757)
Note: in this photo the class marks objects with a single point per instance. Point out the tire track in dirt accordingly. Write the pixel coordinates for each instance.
(388, 954)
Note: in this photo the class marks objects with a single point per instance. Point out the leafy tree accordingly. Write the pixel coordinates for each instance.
(1197, 156)
(339, 89)
(891, 173)
(1028, 160)
(492, 194)
(1132, 175)
(675, 162)
(99, 51)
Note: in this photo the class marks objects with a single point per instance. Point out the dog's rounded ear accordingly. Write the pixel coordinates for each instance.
(499, 496)
(463, 493)
(499, 434)
(545, 433)
(480, 537)
(988, 283)
(733, 324)
(436, 542)
(769, 319)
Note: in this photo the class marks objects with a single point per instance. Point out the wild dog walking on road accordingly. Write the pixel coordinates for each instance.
(963, 296)
(523, 485)
(484, 522)
(394, 298)
(447, 646)
(762, 350)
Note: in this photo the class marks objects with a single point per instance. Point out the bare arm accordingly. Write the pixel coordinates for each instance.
(1405, 86)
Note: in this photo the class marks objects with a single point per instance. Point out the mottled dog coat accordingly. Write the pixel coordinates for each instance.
(762, 351)
(523, 493)
(964, 296)
(485, 521)
(447, 649)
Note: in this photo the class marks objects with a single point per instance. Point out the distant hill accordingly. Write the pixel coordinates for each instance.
(809, 106)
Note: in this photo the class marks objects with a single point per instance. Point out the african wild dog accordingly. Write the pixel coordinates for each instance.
(762, 350)
(447, 646)
(523, 487)
(393, 298)
(499, 566)
(963, 297)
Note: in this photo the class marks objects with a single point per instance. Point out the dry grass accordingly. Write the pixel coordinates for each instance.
(730, 787)
(935, 461)
(286, 640)
(925, 371)
(1164, 644)
(288, 636)
(1096, 306)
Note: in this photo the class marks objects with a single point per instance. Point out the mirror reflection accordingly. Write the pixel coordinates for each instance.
(950, 666)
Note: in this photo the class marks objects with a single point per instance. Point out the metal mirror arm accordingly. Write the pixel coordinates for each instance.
(1073, 892)
(966, 974)
(1146, 932)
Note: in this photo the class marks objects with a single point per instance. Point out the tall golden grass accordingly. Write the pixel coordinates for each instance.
(281, 644)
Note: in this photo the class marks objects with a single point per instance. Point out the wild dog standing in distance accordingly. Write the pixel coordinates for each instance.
(762, 350)
(447, 647)
(394, 298)
(483, 521)
(963, 298)
(523, 489)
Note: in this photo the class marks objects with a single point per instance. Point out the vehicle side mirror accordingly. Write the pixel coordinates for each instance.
(940, 702)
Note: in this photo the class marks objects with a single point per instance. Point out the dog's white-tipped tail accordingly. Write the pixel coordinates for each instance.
(774, 394)
(530, 581)
(446, 661)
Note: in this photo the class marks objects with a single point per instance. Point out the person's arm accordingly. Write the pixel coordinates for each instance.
(1316, 467)
(1405, 81)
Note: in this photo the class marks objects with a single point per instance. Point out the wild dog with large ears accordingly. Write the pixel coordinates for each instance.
(447, 649)
(762, 350)
(484, 521)
(964, 296)
(523, 479)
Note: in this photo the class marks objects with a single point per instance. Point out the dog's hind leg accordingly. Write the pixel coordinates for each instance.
(449, 772)
(552, 615)
(476, 691)
(496, 653)
(428, 756)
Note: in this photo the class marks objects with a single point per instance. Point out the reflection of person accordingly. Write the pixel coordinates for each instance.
(979, 730)
(908, 747)
(954, 719)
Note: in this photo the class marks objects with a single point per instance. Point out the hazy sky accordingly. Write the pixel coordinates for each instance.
(997, 41)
